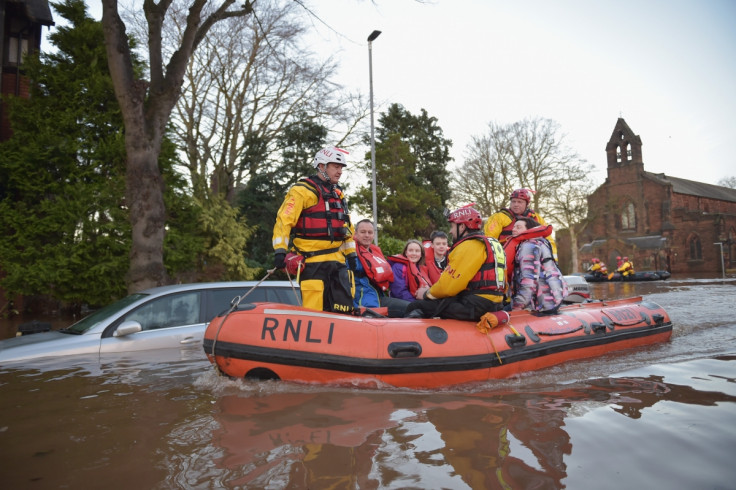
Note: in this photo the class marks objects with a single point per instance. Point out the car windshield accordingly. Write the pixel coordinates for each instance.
(96, 317)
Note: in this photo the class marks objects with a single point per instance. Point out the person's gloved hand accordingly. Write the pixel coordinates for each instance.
(279, 259)
(352, 262)
(294, 263)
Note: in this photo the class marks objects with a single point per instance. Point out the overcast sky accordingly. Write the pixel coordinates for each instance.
(668, 67)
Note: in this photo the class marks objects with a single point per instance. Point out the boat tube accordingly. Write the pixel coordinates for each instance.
(636, 276)
(279, 341)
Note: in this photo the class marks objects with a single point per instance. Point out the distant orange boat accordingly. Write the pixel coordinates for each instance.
(279, 341)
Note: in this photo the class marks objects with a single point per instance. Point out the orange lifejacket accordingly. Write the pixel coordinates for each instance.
(491, 275)
(326, 220)
(416, 277)
(376, 266)
(513, 243)
(506, 231)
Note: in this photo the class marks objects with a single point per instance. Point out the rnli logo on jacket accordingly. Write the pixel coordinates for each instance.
(297, 331)
(452, 272)
(289, 209)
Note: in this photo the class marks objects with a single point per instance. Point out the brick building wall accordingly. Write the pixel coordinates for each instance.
(660, 222)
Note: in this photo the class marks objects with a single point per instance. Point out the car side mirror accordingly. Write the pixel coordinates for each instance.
(126, 328)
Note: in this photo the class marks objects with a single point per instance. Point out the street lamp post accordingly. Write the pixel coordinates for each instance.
(371, 38)
(723, 265)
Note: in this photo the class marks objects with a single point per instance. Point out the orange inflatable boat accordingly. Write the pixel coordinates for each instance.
(278, 341)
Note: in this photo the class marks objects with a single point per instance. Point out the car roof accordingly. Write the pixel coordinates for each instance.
(215, 285)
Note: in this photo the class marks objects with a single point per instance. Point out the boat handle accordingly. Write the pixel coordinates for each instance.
(514, 340)
(598, 327)
(404, 349)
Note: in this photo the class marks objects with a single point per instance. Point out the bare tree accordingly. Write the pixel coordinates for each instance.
(728, 182)
(250, 79)
(568, 207)
(488, 172)
(529, 153)
(146, 107)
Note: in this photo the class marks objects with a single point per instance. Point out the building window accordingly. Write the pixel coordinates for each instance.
(628, 217)
(628, 151)
(618, 154)
(696, 250)
(13, 44)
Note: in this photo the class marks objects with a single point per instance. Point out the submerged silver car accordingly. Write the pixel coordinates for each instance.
(167, 317)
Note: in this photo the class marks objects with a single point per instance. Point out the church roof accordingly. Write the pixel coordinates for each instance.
(651, 242)
(692, 188)
(628, 135)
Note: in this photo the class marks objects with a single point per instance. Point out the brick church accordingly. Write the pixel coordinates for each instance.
(658, 221)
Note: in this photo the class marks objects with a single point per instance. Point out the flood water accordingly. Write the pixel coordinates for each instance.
(663, 416)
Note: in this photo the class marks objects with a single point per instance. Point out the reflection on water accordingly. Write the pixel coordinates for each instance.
(662, 416)
(197, 430)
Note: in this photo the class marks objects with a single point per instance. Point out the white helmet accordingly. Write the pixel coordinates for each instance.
(331, 154)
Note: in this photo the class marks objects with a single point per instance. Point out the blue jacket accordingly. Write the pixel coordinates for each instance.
(366, 294)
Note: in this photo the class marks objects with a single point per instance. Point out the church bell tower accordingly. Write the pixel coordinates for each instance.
(624, 148)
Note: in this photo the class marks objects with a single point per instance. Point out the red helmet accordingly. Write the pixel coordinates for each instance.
(594, 260)
(618, 258)
(626, 259)
(466, 215)
(522, 194)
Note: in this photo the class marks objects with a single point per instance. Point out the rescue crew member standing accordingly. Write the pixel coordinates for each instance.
(473, 282)
(315, 210)
(501, 224)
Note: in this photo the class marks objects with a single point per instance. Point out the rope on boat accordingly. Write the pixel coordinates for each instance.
(491, 320)
(293, 289)
(233, 306)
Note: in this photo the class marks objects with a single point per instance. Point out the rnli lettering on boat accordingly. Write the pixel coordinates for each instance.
(313, 332)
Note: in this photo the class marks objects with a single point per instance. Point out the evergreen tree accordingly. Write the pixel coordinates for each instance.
(64, 226)
(412, 179)
(260, 200)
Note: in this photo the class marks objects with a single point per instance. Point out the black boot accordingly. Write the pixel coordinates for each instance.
(415, 314)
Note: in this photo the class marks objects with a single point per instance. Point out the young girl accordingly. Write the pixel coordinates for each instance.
(538, 284)
(410, 273)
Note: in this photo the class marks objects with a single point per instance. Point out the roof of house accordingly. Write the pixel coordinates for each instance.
(37, 10)
(690, 187)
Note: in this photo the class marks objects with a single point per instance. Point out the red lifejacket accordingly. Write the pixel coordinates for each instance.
(326, 220)
(376, 266)
(416, 277)
(506, 231)
(433, 270)
(513, 243)
(491, 276)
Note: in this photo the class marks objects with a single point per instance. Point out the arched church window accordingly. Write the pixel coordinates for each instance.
(618, 154)
(628, 151)
(696, 249)
(628, 217)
